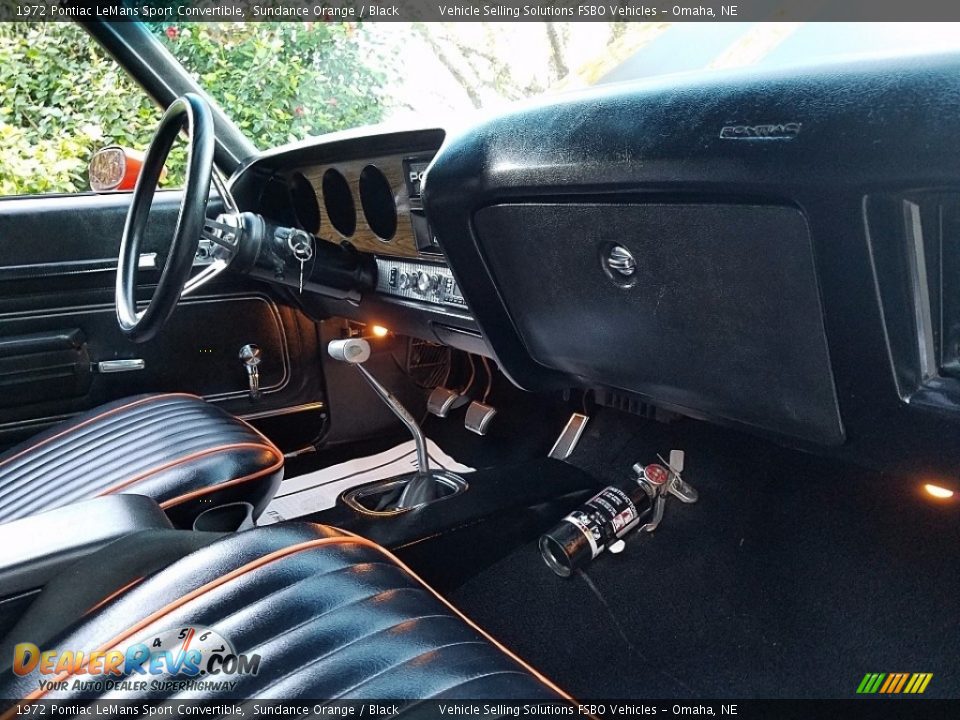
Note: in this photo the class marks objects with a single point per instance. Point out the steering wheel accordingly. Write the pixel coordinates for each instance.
(191, 113)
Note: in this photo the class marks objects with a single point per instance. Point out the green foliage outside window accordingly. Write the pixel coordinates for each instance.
(284, 81)
(62, 98)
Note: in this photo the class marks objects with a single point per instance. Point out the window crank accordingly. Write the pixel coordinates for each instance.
(250, 356)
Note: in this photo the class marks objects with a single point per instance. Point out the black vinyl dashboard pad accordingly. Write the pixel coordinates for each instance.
(742, 197)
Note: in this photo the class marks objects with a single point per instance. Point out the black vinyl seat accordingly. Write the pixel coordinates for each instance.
(186, 454)
(331, 615)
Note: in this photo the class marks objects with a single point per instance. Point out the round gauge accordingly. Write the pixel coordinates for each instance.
(306, 207)
(338, 202)
(379, 206)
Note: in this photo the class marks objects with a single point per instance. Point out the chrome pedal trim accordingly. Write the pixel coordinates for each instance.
(441, 400)
(567, 442)
(478, 417)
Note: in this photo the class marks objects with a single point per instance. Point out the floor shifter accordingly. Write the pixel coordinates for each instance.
(415, 489)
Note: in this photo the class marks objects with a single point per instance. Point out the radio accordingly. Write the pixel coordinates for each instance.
(425, 282)
(415, 168)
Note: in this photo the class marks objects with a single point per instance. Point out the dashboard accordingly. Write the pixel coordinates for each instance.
(375, 204)
(773, 251)
(366, 191)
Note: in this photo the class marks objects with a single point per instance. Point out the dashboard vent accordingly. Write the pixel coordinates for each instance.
(427, 363)
(915, 248)
(625, 402)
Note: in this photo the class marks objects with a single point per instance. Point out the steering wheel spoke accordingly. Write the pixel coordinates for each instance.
(204, 276)
(229, 204)
(224, 235)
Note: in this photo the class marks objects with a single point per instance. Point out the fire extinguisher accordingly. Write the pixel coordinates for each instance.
(601, 522)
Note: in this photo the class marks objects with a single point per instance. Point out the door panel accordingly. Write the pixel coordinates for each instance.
(57, 322)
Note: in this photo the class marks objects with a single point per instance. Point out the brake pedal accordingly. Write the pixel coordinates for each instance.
(478, 417)
(441, 400)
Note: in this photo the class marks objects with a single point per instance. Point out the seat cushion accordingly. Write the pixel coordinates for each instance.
(183, 452)
(331, 616)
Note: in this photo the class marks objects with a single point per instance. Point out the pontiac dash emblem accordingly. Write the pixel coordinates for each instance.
(771, 131)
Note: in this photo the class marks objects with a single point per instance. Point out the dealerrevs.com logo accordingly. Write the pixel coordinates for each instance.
(187, 658)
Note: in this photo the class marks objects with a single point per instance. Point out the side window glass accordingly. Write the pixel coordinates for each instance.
(62, 98)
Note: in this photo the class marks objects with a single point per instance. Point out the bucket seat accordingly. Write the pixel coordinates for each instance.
(186, 454)
(331, 615)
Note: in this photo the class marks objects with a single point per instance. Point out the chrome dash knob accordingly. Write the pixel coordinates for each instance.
(424, 282)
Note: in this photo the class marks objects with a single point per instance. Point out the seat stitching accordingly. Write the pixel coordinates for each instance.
(277, 555)
(496, 643)
(481, 676)
(25, 473)
(340, 648)
(184, 460)
(54, 457)
(132, 422)
(117, 487)
(316, 618)
(338, 608)
(312, 619)
(273, 594)
(170, 607)
(89, 421)
(406, 661)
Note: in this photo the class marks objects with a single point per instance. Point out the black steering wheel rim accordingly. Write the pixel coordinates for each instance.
(192, 113)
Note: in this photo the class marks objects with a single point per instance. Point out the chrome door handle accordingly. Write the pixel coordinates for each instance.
(119, 366)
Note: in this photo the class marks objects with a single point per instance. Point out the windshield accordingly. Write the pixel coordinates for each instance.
(286, 81)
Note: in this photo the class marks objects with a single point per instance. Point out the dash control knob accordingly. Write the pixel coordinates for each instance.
(405, 281)
(427, 283)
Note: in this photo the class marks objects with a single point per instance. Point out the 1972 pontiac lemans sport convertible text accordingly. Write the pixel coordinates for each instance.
(644, 393)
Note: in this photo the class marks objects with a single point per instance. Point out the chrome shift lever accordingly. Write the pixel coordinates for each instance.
(356, 351)
(250, 356)
(422, 486)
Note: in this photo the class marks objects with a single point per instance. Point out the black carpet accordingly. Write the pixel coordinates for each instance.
(792, 577)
